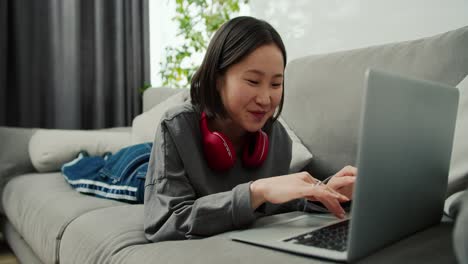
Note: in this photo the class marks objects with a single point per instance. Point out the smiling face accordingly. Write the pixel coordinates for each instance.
(252, 89)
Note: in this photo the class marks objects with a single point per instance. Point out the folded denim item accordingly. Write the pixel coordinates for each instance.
(119, 176)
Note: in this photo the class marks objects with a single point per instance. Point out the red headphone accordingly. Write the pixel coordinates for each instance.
(220, 153)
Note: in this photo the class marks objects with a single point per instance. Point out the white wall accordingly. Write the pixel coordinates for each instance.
(321, 26)
(162, 33)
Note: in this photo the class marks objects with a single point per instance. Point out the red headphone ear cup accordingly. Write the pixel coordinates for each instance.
(218, 149)
(259, 154)
(219, 152)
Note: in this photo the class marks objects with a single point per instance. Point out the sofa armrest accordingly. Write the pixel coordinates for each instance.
(14, 155)
(49, 149)
(154, 96)
(117, 129)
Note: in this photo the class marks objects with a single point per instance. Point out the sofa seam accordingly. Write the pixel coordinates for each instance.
(63, 228)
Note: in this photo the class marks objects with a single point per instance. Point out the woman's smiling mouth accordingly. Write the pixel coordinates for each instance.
(258, 115)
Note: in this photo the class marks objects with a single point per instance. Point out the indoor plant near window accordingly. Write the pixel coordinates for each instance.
(197, 20)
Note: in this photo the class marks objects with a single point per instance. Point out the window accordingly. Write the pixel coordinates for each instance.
(163, 33)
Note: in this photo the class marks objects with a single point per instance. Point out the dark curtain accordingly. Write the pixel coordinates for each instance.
(3, 58)
(72, 64)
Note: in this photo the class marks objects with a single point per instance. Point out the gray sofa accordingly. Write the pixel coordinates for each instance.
(46, 221)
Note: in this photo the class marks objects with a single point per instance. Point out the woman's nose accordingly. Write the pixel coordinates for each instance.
(263, 97)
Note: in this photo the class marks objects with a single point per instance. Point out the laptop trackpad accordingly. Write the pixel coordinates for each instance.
(303, 223)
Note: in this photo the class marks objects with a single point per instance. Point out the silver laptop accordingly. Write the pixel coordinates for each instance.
(405, 144)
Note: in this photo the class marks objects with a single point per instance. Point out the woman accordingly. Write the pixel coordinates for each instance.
(221, 160)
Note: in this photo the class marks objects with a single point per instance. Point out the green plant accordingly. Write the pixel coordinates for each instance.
(145, 86)
(197, 20)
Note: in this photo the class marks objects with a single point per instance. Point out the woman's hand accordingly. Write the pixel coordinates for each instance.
(343, 181)
(285, 188)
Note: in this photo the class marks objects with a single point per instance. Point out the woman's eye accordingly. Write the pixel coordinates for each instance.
(276, 84)
(252, 82)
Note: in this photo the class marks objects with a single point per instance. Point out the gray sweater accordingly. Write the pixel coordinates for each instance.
(185, 199)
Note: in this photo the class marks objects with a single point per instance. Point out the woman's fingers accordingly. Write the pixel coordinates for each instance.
(352, 170)
(334, 207)
(347, 171)
(336, 194)
(328, 198)
(305, 176)
(343, 181)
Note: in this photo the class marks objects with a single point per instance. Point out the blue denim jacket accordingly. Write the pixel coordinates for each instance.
(119, 176)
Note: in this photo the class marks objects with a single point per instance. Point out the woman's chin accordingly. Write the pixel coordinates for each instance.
(254, 126)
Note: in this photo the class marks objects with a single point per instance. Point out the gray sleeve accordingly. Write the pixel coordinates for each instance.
(172, 209)
(268, 208)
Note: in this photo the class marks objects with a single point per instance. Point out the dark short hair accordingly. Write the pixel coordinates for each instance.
(231, 43)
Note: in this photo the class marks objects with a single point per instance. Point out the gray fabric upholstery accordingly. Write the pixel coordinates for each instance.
(329, 89)
(108, 230)
(458, 178)
(14, 155)
(49, 149)
(40, 206)
(460, 232)
(124, 242)
(154, 96)
(117, 129)
(17, 244)
(432, 246)
(144, 125)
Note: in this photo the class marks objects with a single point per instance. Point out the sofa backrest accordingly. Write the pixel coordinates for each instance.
(323, 93)
(154, 96)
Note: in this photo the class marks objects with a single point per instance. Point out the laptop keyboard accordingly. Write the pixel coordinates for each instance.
(333, 237)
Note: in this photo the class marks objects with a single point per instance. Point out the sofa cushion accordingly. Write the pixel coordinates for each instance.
(430, 246)
(144, 125)
(460, 231)
(300, 155)
(95, 237)
(40, 206)
(20, 248)
(324, 92)
(49, 149)
(14, 156)
(154, 96)
(115, 235)
(458, 177)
